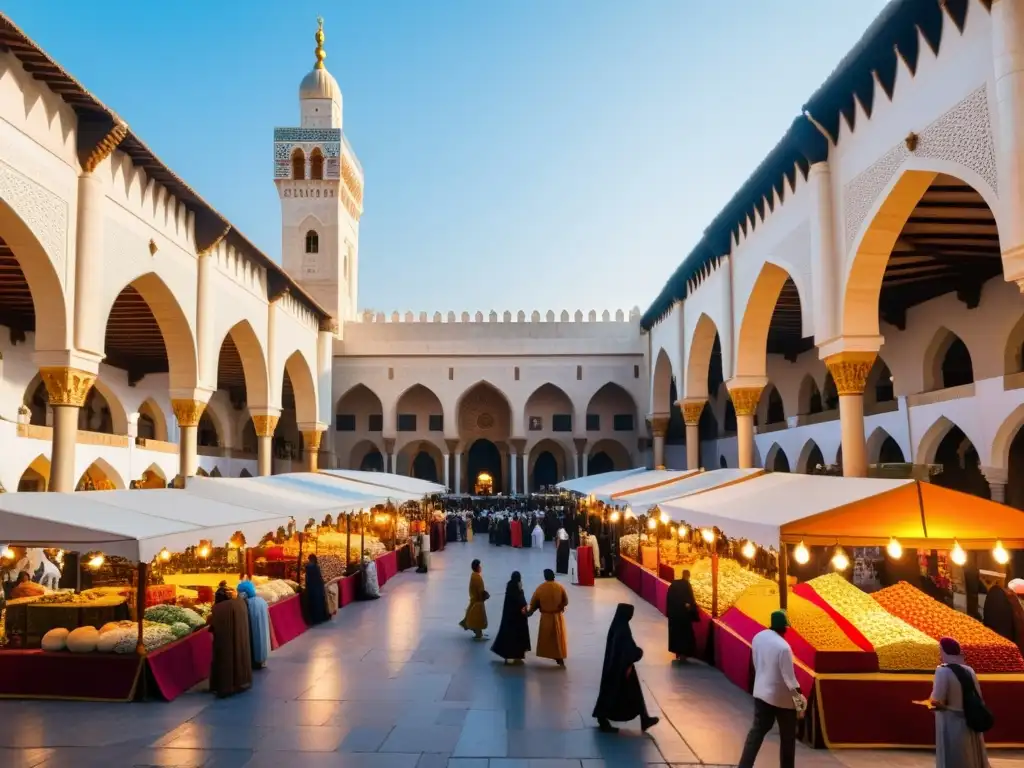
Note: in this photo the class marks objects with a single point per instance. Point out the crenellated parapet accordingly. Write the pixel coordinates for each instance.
(619, 316)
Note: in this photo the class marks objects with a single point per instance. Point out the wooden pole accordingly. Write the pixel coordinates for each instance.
(784, 576)
(714, 583)
(348, 541)
(140, 605)
(298, 568)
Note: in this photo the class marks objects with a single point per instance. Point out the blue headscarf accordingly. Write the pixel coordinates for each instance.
(246, 588)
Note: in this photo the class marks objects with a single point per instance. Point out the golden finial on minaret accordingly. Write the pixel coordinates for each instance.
(321, 54)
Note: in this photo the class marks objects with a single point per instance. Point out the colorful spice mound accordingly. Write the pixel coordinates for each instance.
(733, 581)
(984, 650)
(899, 646)
(808, 620)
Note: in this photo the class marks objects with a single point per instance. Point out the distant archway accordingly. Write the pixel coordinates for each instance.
(100, 476)
(484, 457)
(776, 460)
(36, 476)
(810, 458)
(961, 466)
(947, 362)
(599, 463)
(613, 451)
(424, 467)
(810, 396)
(366, 455)
(545, 470)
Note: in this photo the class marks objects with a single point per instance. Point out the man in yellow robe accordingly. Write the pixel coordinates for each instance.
(476, 614)
(551, 600)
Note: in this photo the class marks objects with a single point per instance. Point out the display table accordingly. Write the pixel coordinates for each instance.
(286, 621)
(585, 566)
(175, 668)
(387, 567)
(36, 674)
(348, 589)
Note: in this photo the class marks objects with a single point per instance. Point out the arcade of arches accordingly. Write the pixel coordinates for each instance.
(490, 446)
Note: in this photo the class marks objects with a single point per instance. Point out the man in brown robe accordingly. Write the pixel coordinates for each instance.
(231, 669)
(551, 600)
(475, 619)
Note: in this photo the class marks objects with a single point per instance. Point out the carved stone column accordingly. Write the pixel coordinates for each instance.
(659, 427)
(997, 477)
(692, 409)
(67, 389)
(188, 412)
(451, 448)
(389, 455)
(265, 425)
(850, 371)
(744, 402)
(1008, 66)
(517, 445)
(311, 448)
(581, 449)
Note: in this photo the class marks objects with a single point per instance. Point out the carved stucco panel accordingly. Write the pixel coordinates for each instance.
(963, 136)
(45, 213)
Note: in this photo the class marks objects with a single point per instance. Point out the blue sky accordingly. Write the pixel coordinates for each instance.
(526, 154)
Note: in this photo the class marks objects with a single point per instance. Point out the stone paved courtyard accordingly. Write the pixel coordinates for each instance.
(396, 684)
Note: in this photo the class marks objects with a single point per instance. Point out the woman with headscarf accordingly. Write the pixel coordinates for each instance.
(513, 640)
(682, 614)
(231, 667)
(222, 593)
(956, 744)
(620, 697)
(259, 623)
(475, 620)
(315, 594)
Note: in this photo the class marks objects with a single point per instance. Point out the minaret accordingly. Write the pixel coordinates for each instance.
(320, 183)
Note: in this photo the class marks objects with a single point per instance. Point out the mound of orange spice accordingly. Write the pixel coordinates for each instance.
(984, 650)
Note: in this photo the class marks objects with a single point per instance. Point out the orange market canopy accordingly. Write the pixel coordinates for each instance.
(781, 507)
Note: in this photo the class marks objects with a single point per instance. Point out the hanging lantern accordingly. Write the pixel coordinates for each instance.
(749, 550)
(801, 554)
(708, 534)
(664, 518)
(614, 516)
(96, 560)
(895, 549)
(839, 560)
(165, 555)
(1000, 555)
(652, 523)
(7, 554)
(957, 554)
(204, 551)
(682, 531)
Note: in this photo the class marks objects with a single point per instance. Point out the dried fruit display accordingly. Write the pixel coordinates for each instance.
(733, 581)
(808, 620)
(899, 646)
(331, 566)
(984, 650)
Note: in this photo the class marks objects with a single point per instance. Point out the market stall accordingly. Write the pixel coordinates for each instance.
(856, 564)
(586, 485)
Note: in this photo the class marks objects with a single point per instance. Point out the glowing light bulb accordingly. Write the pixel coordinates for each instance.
(708, 534)
(1000, 554)
(749, 550)
(895, 549)
(664, 518)
(7, 554)
(630, 514)
(96, 561)
(204, 551)
(801, 554)
(652, 523)
(614, 517)
(683, 530)
(957, 554)
(165, 555)
(839, 560)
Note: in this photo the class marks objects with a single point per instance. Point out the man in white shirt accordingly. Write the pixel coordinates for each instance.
(775, 687)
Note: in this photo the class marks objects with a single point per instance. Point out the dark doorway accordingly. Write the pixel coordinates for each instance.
(814, 460)
(545, 470)
(961, 467)
(780, 463)
(372, 462)
(424, 468)
(890, 452)
(600, 462)
(484, 457)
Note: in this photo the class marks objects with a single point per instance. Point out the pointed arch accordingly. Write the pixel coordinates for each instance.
(661, 383)
(100, 476)
(36, 476)
(357, 409)
(879, 387)
(928, 445)
(776, 460)
(549, 460)
(810, 458)
(547, 404)
(947, 362)
(152, 477)
(421, 459)
(248, 353)
(118, 424)
(210, 432)
(367, 453)
(316, 164)
(484, 409)
(752, 340)
(416, 407)
(617, 453)
(1005, 435)
(810, 396)
(298, 164)
(299, 373)
(774, 408)
(41, 277)
(698, 360)
(882, 448)
(245, 473)
(152, 423)
(1013, 351)
(615, 409)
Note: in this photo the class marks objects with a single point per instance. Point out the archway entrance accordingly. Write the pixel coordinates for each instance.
(373, 461)
(599, 463)
(484, 458)
(545, 470)
(423, 467)
(961, 467)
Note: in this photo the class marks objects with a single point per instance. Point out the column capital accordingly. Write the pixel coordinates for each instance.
(850, 370)
(745, 393)
(692, 408)
(659, 423)
(389, 444)
(581, 445)
(518, 445)
(187, 411)
(999, 475)
(311, 439)
(452, 445)
(67, 386)
(265, 424)
(311, 426)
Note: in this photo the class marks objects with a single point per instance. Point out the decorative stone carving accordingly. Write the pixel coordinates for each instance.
(659, 425)
(43, 212)
(67, 386)
(692, 412)
(963, 135)
(850, 371)
(265, 425)
(311, 440)
(745, 400)
(452, 445)
(485, 421)
(188, 412)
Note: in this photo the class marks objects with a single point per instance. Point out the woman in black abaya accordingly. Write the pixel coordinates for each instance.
(620, 698)
(315, 595)
(682, 614)
(513, 640)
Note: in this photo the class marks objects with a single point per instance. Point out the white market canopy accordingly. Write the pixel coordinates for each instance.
(586, 485)
(642, 500)
(374, 481)
(299, 495)
(132, 524)
(757, 509)
(647, 480)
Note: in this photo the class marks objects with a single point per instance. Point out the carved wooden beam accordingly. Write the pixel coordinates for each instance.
(97, 139)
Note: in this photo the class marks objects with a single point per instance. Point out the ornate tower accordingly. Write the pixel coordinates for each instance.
(320, 183)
